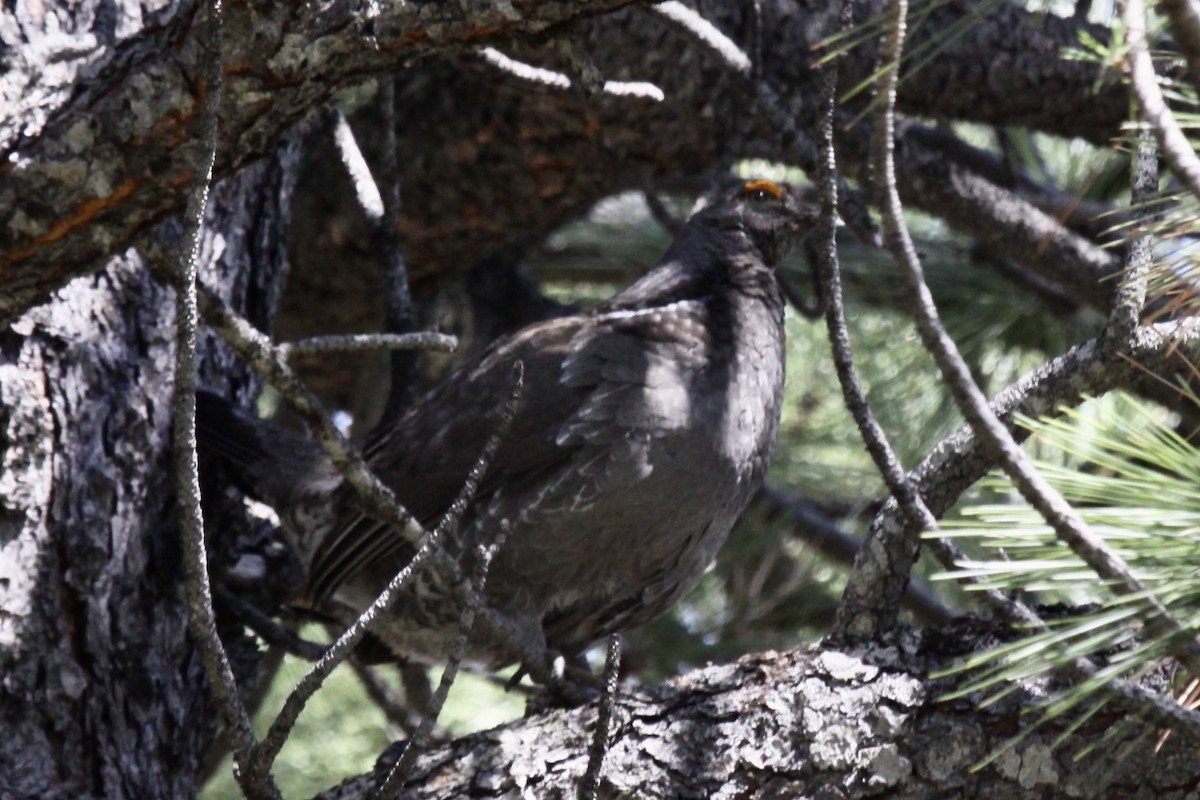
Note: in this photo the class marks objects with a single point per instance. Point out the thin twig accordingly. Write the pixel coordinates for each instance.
(601, 735)
(424, 340)
(263, 357)
(796, 144)
(1092, 368)
(366, 190)
(1139, 250)
(253, 346)
(270, 631)
(382, 209)
(458, 650)
(258, 351)
(557, 80)
(1067, 524)
(201, 617)
(881, 570)
(403, 375)
(1172, 141)
(707, 33)
(281, 728)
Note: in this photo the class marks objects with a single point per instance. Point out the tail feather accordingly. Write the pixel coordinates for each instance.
(277, 465)
(227, 431)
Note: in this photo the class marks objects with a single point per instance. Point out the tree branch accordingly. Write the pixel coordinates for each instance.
(1058, 513)
(201, 617)
(286, 59)
(856, 722)
(1172, 142)
(283, 59)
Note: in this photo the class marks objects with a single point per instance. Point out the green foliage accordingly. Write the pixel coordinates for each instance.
(342, 731)
(1136, 481)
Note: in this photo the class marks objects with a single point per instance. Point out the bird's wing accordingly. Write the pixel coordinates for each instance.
(425, 457)
(635, 368)
(583, 427)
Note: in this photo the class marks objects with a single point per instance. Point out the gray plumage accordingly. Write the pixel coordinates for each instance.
(646, 425)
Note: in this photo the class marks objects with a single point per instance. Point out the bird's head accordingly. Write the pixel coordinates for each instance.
(770, 216)
(739, 239)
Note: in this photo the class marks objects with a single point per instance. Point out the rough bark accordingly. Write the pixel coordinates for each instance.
(103, 693)
(813, 723)
(99, 693)
(95, 149)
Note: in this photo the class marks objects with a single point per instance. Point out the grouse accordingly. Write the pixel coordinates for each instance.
(645, 427)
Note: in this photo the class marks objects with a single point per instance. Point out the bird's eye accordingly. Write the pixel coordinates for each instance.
(762, 191)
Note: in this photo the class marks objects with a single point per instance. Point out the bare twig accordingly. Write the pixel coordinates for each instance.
(601, 735)
(382, 209)
(264, 358)
(1139, 250)
(201, 617)
(281, 728)
(707, 33)
(556, 80)
(881, 571)
(984, 423)
(1172, 141)
(395, 777)
(1067, 523)
(1091, 368)
(269, 630)
(424, 340)
(403, 383)
(1185, 28)
(253, 346)
(366, 191)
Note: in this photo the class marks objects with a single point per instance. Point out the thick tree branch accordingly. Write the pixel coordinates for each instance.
(112, 158)
(1002, 221)
(107, 161)
(817, 722)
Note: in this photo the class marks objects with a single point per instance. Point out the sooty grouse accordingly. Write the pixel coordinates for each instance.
(645, 426)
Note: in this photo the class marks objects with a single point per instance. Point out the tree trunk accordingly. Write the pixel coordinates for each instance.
(103, 694)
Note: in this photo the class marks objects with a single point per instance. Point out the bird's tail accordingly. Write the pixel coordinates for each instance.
(274, 464)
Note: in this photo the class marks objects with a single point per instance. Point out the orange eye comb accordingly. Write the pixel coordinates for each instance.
(763, 186)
